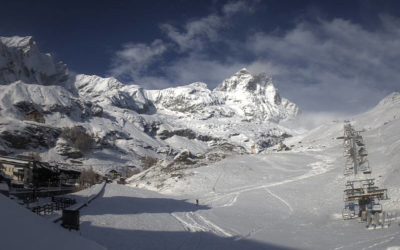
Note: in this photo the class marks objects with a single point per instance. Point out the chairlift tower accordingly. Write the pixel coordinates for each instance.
(361, 195)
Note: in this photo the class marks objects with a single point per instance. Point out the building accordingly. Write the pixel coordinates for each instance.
(30, 173)
(16, 171)
(69, 177)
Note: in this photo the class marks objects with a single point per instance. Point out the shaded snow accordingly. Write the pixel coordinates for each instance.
(22, 229)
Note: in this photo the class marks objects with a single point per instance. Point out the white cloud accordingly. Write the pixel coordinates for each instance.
(310, 120)
(232, 8)
(198, 33)
(195, 33)
(133, 59)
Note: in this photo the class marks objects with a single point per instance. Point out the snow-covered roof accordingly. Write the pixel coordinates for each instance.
(13, 161)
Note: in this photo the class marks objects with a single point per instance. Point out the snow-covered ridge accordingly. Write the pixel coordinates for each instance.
(111, 91)
(391, 99)
(186, 99)
(247, 96)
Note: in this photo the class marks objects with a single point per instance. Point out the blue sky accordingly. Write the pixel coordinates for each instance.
(327, 56)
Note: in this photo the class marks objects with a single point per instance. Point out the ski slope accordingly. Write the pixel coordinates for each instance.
(295, 205)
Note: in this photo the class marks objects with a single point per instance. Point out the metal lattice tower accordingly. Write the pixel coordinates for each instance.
(355, 152)
(361, 195)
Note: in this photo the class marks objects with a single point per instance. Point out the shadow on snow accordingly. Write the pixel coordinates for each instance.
(137, 205)
(122, 239)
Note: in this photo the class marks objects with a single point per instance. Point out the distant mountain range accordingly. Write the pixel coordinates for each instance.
(39, 98)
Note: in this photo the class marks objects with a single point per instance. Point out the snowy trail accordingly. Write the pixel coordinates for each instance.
(281, 199)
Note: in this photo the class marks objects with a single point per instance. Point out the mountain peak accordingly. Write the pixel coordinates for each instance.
(17, 41)
(243, 80)
(243, 71)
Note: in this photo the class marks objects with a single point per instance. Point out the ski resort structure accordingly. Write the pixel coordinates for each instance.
(361, 195)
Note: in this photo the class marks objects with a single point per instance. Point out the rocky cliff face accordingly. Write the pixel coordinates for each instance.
(39, 99)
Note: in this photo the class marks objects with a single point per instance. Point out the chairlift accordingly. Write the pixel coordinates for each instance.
(376, 208)
(349, 211)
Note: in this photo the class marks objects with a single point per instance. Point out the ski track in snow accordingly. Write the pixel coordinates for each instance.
(379, 243)
(194, 222)
(385, 239)
(281, 199)
(250, 233)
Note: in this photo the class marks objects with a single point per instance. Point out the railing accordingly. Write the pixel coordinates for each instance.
(84, 198)
(58, 203)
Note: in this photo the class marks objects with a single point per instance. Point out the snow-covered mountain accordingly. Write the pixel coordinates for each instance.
(247, 97)
(39, 99)
(255, 97)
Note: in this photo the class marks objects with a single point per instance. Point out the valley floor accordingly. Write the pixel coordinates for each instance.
(272, 201)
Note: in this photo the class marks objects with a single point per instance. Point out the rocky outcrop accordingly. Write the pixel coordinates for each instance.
(31, 137)
(64, 148)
